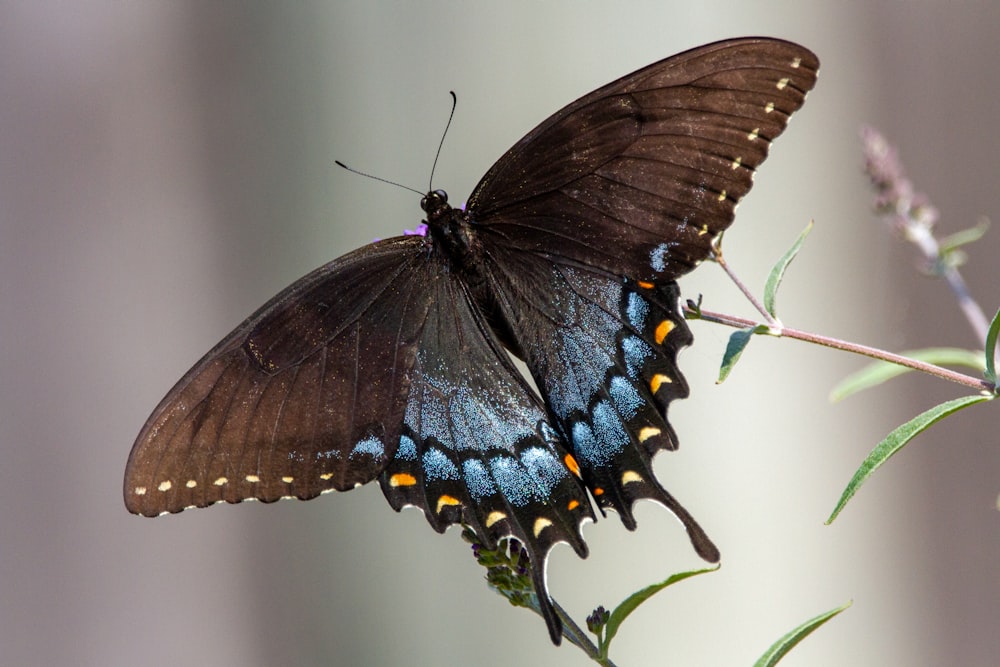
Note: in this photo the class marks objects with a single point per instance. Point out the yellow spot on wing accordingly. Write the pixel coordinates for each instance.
(326, 476)
(191, 484)
(722, 196)
(782, 83)
(165, 486)
(221, 481)
(658, 380)
(253, 479)
(754, 135)
(796, 62)
(769, 107)
(541, 523)
(447, 501)
(140, 490)
(647, 432)
(402, 479)
(630, 476)
(663, 329)
(571, 463)
(494, 517)
(287, 480)
(736, 163)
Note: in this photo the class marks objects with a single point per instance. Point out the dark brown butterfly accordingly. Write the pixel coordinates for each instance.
(390, 362)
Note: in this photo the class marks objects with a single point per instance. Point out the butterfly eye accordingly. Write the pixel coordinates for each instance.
(433, 201)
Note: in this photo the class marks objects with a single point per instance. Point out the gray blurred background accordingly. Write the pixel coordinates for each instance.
(167, 167)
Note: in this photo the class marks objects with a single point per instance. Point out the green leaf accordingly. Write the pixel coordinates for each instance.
(991, 349)
(896, 440)
(882, 371)
(788, 642)
(778, 272)
(629, 604)
(964, 237)
(738, 342)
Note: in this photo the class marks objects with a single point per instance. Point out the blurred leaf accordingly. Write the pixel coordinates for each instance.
(881, 371)
(788, 642)
(629, 604)
(896, 440)
(991, 349)
(778, 272)
(964, 237)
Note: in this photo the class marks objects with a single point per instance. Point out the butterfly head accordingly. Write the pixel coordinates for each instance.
(435, 203)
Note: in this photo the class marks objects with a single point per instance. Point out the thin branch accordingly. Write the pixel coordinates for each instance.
(978, 384)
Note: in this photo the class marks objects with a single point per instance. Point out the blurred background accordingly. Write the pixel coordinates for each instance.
(166, 167)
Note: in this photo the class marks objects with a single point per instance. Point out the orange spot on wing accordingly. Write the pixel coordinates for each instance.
(663, 329)
(447, 501)
(645, 285)
(571, 463)
(658, 380)
(402, 479)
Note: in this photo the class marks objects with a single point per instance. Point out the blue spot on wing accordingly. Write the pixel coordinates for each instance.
(515, 485)
(478, 479)
(625, 397)
(636, 351)
(371, 446)
(598, 443)
(438, 466)
(658, 257)
(637, 311)
(544, 467)
(407, 449)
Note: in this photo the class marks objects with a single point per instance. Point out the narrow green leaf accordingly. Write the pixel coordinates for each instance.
(991, 349)
(896, 440)
(778, 272)
(788, 642)
(882, 371)
(629, 604)
(738, 342)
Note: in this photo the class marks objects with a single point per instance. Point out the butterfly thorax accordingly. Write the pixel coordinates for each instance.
(450, 228)
(453, 235)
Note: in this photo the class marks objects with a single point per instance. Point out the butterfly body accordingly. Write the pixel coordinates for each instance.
(392, 362)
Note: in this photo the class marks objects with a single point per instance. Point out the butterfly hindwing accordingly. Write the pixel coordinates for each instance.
(477, 446)
(639, 176)
(603, 351)
(306, 396)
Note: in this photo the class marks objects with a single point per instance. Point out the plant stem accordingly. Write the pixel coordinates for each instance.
(577, 636)
(719, 259)
(837, 344)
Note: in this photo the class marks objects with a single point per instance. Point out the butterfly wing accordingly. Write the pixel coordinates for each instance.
(586, 222)
(477, 446)
(603, 352)
(640, 175)
(375, 365)
(307, 395)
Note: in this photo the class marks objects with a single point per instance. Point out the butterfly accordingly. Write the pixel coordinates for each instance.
(391, 362)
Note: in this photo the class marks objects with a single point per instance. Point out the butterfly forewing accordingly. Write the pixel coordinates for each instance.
(278, 410)
(638, 176)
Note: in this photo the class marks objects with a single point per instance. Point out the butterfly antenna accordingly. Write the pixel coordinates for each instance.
(454, 103)
(378, 178)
